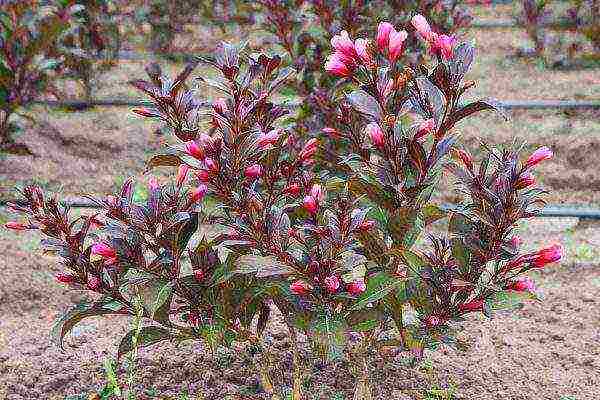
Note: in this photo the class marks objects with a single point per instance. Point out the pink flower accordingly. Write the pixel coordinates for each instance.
(253, 171)
(203, 176)
(309, 150)
(524, 284)
(335, 65)
(199, 275)
(310, 204)
(220, 105)
(17, 226)
(332, 133)
(432, 321)
(292, 189)
(269, 138)
(541, 154)
(103, 250)
(474, 305)
(361, 47)
(93, 282)
(425, 128)
(356, 288)
(525, 180)
(343, 44)
(198, 193)
(182, 173)
(317, 192)
(194, 150)
(383, 35)
(444, 45)
(376, 134)
(396, 44)
(547, 255)
(211, 165)
(366, 225)
(421, 25)
(332, 283)
(299, 288)
(144, 112)
(515, 241)
(64, 278)
(153, 184)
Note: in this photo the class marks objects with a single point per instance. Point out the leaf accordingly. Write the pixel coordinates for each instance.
(67, 321)
(364, 103)
(462, 60)
(472, 108)
(327, 336)
(434, 96)
(162, 303)
(509, 300)
(461, 254)
(261, 266)
(148, 336)
(378, 286)
(187, 231)
(432, 213)
(401, 223)
(163, 160)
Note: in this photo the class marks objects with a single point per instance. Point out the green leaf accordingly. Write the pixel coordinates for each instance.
(327, 336)
(364, 103)
(66, 322)
(163, 302)
(148, 336)
(261, 266)
(378, 286)
(509, 300)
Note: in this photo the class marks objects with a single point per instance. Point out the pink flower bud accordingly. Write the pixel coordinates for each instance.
(444, 45)
(269, 138)
(343, 44)
(425, 128)
(182, 173)
(199, 275)
(524, 284)
(144, 112)
(211, 165)
(203, 176)
(103, 250)
(292, 190)
(361, 47)
(317, 192)
(310, 204)
(433, 321)
(356, 288)
(300, 288)
(64, 278)
(153, 184)
(335, 65)
(548, 255)
(396, 44)
(198, 193)
(332, 283)
(516, 263)
(253, 171)
(194, 150)
(474, 305)
(525, 180)
(17, 226)
(383, 35)
(309, 150)
(541, 154)
(220, 106)
(376, 134)
(332, 133)
(421, 25)
(93, 282)
(515, 241)
(366, 225)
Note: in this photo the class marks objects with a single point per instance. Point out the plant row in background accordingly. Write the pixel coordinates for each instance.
(338, 233)
(547, 30)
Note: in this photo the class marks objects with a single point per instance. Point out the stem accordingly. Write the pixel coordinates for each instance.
(262, 364)
(298, 373)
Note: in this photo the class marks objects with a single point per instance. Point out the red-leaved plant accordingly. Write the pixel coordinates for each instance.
(254, 217)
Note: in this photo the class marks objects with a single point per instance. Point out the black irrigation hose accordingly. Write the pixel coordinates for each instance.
(546, 212)
(508, 104)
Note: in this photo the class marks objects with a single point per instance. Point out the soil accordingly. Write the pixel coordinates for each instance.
(548, 350)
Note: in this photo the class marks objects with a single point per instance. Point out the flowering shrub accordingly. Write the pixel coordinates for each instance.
(253, 218)
(29, 31)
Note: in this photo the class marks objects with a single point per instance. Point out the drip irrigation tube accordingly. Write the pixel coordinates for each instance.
(551, 211)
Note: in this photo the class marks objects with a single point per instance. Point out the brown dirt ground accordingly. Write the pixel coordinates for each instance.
(545, 351)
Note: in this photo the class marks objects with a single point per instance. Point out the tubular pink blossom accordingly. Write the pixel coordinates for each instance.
(396, 44)
(317, 192)
(515, 241)
(421, 25)
(433, 321)
(367, 225)
(93, 282)
(361, 47)
(292, 189)
(269, 138)
(299, 288)
(203, 176)
(310, 204)
(64, 278)
(343, 44)
(376, 134)
(153, 183)
(220, 106)
(525, 180)
(199, 275)
(444, 45)
(253, 171)
(524, 284)
(335, 65)
(182, 173)
(194, 150)
(383, 35)
(474, 305)
(332, 283)
(16, 226)
(103, 250)
(211, 165)
(309, 150)
(357, 287)
(548, 255)
(541, 154)
(198, 193)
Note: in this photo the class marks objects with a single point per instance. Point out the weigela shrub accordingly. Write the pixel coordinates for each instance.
(252, 217)
(29, 32)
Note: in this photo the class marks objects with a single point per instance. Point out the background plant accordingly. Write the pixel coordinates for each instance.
(336, 250)
(30, 31)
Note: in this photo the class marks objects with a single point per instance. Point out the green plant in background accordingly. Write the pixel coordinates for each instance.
(29, 33)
